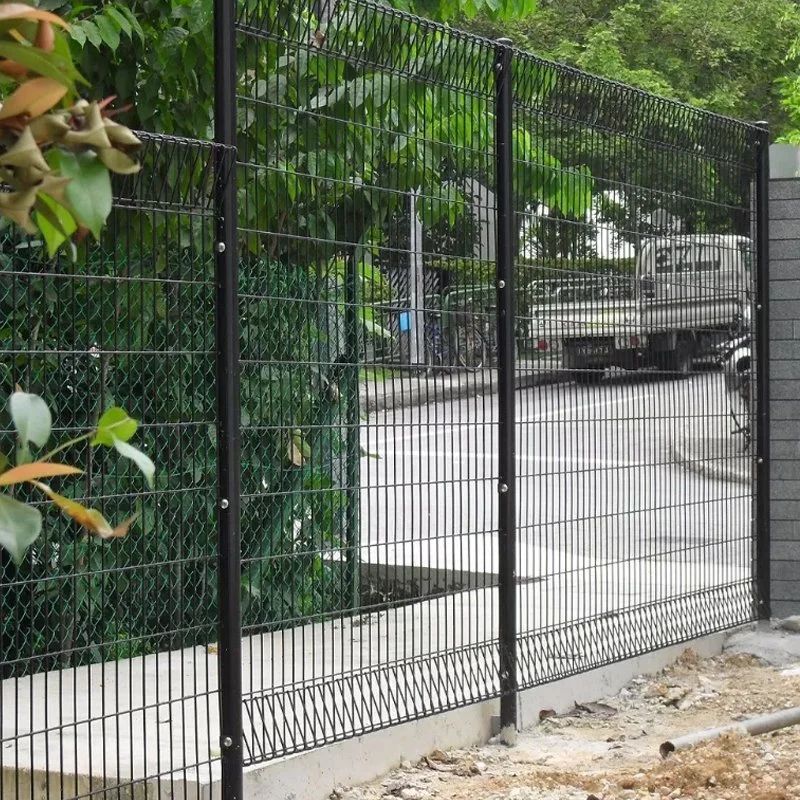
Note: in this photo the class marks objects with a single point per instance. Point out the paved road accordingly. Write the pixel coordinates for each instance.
(597, 483)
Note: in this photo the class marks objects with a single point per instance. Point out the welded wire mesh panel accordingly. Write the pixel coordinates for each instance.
(106, 657)
(365, 165)
(634, 267)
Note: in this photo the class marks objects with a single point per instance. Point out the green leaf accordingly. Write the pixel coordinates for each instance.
(139, 458)
(78, 33)
(89, 190)
(125, 11)
(91, 33)
(114, 424)
(173, 37)
(108, 30)
(20, 527)
(55, 222)
(49, 65)
(122, 22)
(31, 418)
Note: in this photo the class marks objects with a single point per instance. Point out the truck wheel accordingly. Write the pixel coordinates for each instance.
(679, 362)
(587, 377)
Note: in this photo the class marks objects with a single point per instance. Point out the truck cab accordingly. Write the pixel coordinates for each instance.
(690, 292)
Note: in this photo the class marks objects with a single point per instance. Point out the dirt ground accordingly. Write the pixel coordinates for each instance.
(609, 750)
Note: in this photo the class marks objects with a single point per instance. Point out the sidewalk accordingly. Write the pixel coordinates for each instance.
(721, 457)
(415, 388)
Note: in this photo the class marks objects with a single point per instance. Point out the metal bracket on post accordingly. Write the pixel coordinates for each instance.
(507, 563)
(228, 404)
(762, 423)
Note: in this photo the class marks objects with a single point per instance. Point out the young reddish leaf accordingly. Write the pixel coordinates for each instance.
(9, 11)
(12, 69)
(88, 518)
(36, 470)
(45, 37)
(121, 531)
(33, 98)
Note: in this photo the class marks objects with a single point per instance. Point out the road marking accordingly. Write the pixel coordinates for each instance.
(548, 416)
(432, 428)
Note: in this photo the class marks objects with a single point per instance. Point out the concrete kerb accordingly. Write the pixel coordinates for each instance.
(688, 455)
(312, 775)
(416, 390)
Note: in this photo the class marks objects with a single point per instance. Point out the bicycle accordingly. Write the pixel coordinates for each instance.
(434, 341)
(734, 356)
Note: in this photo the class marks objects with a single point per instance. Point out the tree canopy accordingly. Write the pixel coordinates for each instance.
(724, 55)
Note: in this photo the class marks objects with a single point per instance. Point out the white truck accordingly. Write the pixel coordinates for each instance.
(689, 292)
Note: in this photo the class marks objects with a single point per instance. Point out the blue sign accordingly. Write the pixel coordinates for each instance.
(405, 321)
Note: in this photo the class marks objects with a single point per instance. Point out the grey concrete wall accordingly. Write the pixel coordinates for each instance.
(784, 310)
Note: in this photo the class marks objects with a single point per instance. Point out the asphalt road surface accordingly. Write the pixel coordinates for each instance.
(597, 483)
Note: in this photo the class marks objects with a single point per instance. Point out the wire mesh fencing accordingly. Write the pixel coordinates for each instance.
(107, 665)
(360, 148)
(407, 489)
(455, 384)
(638, 216)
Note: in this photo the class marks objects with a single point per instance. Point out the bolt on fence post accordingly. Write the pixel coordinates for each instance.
(762, 422)
(507, 555)
(228, 399)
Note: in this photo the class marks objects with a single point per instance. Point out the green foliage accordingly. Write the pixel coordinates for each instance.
(76, 595)
(723, 55)
(104, 28)
(32, 420)
(21, 524)
(89, 189)
(453, 10)
(56, 150)
(296, 448)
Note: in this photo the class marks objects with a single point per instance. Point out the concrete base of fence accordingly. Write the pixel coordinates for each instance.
(313, 775)
(416, 388)
(119, 724)
(719, 457)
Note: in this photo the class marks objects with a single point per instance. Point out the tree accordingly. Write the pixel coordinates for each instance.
(723, 55)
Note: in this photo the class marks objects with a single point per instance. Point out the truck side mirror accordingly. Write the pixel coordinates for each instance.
(647, 287)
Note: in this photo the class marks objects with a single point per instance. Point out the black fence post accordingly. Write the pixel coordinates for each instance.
(228, 409)
(507, 565)
(762, 377)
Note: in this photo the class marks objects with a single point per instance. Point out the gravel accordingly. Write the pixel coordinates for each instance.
(610, 750)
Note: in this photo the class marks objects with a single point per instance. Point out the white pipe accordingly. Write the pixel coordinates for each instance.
(748, 727)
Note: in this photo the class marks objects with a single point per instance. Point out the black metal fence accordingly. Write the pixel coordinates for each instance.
(333, 546)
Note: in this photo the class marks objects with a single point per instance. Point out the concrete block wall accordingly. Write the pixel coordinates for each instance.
(784, 370)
